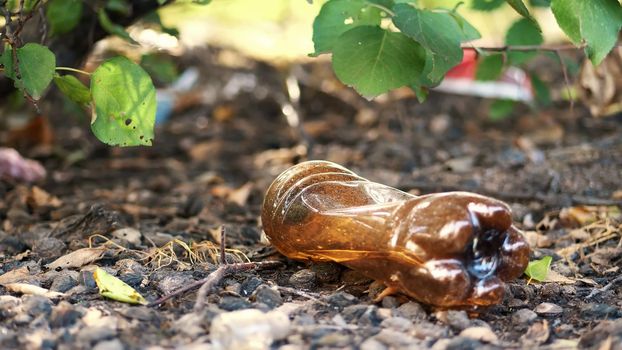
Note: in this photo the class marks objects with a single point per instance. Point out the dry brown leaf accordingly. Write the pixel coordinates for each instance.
(240, 196)
(78, 258)
(40, 198)
(25, 288)
(556, 277)
(14, 275)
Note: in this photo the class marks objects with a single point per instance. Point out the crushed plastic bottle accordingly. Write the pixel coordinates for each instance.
(446, 249)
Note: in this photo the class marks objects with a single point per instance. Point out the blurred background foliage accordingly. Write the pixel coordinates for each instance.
(281, 30)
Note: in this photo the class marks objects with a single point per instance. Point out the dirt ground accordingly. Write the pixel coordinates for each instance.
(152, 217)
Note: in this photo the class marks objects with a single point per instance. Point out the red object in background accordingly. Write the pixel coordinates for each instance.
(514, 83)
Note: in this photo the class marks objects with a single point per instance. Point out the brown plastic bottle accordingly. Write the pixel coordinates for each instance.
(446, 249)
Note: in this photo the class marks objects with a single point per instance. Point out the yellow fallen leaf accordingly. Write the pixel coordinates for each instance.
(113, 288)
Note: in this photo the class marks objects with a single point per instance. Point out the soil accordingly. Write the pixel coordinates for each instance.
(152, 217)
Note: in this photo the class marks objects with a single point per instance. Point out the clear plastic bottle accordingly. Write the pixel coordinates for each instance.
(446, 249)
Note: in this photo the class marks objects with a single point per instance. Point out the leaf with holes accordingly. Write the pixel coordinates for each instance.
(124, 103)
(437, 32)
(339, 16)
(374, 60)
(36, 68)
(597, 22)
(539, 269)
(522, 32)
(73, 88)
(63, 15)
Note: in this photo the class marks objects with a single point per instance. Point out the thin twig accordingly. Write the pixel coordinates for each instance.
(230, 268)
(566, 80)
(605, 288)
(557, 48)
(223, 235)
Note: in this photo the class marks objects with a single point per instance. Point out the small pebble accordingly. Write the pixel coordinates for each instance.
(458, 320)
(239, 329)
(304, 279)
(326, 272)
(483, 334)
(399, 324)
(334, 340)
(395, 339)
(372, 344)
(390, 302)
(64, 315)
(231, 303)
(190, 324)
(94, 334)
(114, 344)
(173, 281)
(370, 317)
(548, 309)
(35, 305)
(340, 300)
(249, 285)
(352, 313)
(269, 296)
(63, 283)
(523, 316)
(464, 343)
(599, 311)
(412, 311)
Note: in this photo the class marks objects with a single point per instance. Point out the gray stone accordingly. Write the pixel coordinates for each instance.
(372, 344)
(269, 296)
(63, 283)
(600, 311)
(412, 311)
(35, 305)
(304, 279)
(114, 344)
(231, 303)
(340, 300)
(524, 316)
(326, 272)
(249, 285)
(390, 302)
(95, 334)
(548, 309)
(399, 324)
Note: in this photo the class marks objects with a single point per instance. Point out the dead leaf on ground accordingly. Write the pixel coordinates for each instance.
(240, 195)
(556, 277)
(78, 258)
(31, 289)
(40, 198)
(14, 275)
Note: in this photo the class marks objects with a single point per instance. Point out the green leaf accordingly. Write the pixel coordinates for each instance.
(486, 5)
(522, 32)
(338, 16)
(73, 88)
(519, 6)
(113, 28)
(125, 103)
(597, 22)
(539, 269)
(162, 68)
(540, 3)
(36, 68)
(113, 288)
(63, 15)
(421, 93)
(468, 31)
(437, 32)
(489, 67)
(541, 91)
(374, 60)
(500, 109)
(119, 6)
